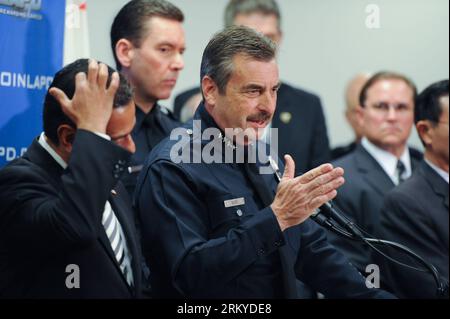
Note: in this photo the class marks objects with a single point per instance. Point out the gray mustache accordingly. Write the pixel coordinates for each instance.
(263, 116)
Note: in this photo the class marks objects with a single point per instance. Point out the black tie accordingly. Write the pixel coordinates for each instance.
(154, 132)
(400, 171)
(266, 196)
(259, 184)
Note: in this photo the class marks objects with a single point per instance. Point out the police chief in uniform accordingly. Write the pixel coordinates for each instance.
(213, 229)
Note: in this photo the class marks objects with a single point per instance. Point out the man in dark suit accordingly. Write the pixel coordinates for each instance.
(147, 40)
(66, 225)
(381, 161)
(299, 116)
(415, 214)
(217, 228)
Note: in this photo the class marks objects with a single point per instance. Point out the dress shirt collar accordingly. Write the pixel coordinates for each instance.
(438, 170)
(42, 141)
(55, 155)
(388, 161)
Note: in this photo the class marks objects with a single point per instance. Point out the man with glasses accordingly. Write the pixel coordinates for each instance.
(416, 213)
(381, 161)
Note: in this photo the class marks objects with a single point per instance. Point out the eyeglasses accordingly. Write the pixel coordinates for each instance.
(383, 107)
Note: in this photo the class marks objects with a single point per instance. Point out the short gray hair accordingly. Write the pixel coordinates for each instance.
(217, 61)
(236, 7)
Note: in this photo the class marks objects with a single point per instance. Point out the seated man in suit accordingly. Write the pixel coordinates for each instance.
(66, 225)
(381, 161)
(299, 116)
(415, 214)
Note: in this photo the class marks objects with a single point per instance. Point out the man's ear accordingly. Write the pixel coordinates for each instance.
(425, 131)
(348, 115)
(360, 116)
(66, 135)
(210, 91)
(124, 52)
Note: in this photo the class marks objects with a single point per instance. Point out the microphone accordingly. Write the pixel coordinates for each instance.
(329, 211)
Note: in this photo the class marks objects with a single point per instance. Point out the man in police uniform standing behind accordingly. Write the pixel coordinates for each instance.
(222, 230)
(147, 40)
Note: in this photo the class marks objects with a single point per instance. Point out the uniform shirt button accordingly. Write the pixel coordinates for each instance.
(239, 212)
(278, 243)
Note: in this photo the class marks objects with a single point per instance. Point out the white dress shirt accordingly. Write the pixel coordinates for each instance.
(389, 161)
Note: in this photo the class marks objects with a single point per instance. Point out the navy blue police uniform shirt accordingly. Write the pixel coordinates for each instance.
(206, 234)
(149, 130)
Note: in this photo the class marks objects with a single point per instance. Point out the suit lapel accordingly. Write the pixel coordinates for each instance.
(437, 183)
(104, 240)
(37, 155)
(415, 163)
(372, 172)
(125, 216)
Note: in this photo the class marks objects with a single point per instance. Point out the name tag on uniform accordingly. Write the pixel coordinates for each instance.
(234, 202)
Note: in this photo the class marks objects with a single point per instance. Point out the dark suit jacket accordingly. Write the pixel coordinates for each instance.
(341, 151)
(361, 199)
(301, 126)
(51, 218)
(305, 135)
(181, 99)
(415, 214)
(197, 246)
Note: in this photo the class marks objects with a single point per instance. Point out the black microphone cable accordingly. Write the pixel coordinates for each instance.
(328, 215)
(442, 287)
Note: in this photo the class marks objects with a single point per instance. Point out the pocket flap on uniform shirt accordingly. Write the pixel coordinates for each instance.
(228, 210)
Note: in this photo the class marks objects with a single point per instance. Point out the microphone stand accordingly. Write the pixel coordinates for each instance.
(325, 216)
(353, 233)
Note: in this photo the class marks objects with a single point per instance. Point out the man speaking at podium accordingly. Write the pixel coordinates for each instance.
(220, 229)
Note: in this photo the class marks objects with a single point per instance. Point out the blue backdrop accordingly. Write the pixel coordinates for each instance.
(31, 52)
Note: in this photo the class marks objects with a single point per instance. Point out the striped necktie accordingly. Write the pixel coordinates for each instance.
(117, 240)
(400, 171)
